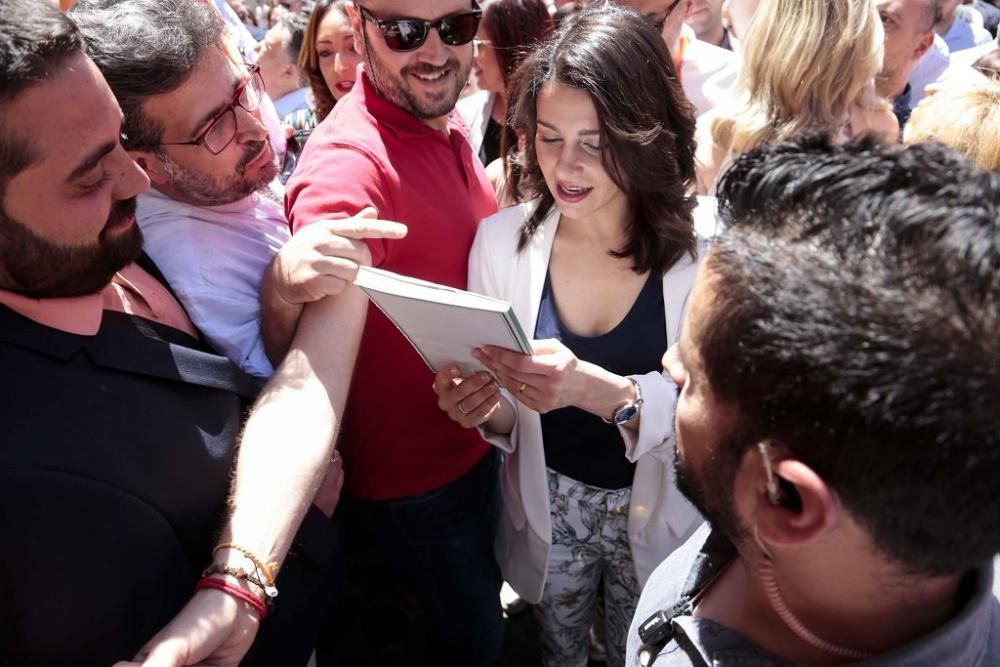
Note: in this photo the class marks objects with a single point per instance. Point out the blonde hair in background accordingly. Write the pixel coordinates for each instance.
(966, 118)
(805, 63)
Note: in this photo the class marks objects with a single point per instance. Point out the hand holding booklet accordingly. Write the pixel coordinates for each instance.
(442, 323)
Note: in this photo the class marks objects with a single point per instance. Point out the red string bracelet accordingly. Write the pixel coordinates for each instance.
(235, 591)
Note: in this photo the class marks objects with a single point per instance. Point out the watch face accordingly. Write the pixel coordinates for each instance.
(626, 414)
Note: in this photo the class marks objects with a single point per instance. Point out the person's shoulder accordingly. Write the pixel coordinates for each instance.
(510, 217)
(706, 222)
(499, 234)
(711, 59)
(665, 587)
(666, 584)
(472, 106)
(349, 124)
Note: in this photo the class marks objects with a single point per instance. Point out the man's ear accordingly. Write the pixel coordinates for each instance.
(792, 505)
(923, 46)
(152, 164)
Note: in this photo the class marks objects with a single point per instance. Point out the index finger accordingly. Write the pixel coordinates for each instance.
(367, 228)
(509, 358)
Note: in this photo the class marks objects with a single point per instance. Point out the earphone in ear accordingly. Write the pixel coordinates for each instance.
(775, 493)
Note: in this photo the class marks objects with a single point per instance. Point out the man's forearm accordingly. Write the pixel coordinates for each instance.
(289, 438)
(279, 318)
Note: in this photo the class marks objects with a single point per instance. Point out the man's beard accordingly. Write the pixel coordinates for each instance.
(396, 89)
(38, 268)
(712, 492)
(203, 189)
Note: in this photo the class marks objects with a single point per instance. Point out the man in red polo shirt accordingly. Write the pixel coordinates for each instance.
(425, 487)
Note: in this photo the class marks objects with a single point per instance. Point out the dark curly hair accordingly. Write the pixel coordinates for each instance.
(854, 319)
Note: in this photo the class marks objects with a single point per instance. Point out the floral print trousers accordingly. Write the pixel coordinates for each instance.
(590, 549)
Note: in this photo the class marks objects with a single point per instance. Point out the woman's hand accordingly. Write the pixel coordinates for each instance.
(469, 401)
(545, 381)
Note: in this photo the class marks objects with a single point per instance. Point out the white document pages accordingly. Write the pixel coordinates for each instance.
(442, 323)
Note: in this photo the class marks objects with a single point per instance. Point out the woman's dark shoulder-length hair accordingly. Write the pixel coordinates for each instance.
(647, 128)
(323, 98)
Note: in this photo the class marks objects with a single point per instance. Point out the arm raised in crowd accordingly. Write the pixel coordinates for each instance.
(286, 445)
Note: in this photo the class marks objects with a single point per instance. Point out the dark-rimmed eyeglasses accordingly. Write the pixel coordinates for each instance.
(402, 35)
(222, 130)
(661, 20)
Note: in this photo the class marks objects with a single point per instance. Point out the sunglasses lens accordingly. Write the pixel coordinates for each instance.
(404, 35)
(458, 30)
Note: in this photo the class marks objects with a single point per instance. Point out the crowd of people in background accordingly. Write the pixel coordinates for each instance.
(755, 245)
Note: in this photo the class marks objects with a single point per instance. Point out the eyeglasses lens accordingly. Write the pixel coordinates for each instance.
(404, 35)
(458, 30)
(224, 129)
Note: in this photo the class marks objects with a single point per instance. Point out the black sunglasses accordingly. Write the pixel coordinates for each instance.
(404, 35)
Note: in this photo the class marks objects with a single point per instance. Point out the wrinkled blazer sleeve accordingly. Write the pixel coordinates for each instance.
(484, 279)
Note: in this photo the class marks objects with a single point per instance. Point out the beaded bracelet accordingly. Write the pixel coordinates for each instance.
(243, 575)
(267, 570)
(235, 591)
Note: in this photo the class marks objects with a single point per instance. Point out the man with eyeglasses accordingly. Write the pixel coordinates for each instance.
(193, 124)
(425, 490)
(707, 72)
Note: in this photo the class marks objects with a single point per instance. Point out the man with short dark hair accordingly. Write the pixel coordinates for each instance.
(193, 123)
(278, 58)
(425, 488)
(909, 33)
(117, 426)
(117, 440)
(837, 423)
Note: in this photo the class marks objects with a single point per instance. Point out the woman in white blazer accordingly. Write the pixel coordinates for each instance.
(598, 261)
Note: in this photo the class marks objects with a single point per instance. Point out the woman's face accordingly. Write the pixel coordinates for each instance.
(338, 60)
(486, 68)
(568, 146)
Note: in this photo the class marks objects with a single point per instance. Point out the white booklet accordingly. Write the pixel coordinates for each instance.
(442, 323)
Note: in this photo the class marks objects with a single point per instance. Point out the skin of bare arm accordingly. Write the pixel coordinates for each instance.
(286, 447)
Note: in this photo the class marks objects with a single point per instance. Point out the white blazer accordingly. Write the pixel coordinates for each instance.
(660, 517)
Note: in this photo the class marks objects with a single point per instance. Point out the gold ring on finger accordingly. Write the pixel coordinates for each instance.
(461, 408)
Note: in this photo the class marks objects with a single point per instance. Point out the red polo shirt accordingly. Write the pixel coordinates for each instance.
(395, 440)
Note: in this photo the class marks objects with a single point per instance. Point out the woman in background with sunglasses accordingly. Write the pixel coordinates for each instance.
(597, 261)
(509, 30)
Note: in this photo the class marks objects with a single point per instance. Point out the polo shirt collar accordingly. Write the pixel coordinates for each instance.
(79, 315)
(399, 121)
